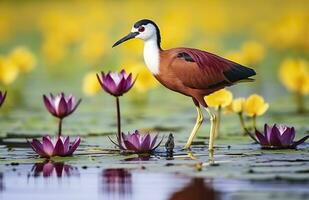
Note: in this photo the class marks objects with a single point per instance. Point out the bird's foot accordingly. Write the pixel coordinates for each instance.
(186, 148)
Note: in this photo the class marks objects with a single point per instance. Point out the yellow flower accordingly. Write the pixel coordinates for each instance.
(220, 98)
(91, 85)
(145, 80)
(294, 75)
(253, 52)
(236, 56)
(8, 71)
(255, 105)
(54, 50)
(23, 59)
(290, 31)
(236, 106)
(92, 48)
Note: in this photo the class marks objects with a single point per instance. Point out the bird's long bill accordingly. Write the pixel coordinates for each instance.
(125, 38)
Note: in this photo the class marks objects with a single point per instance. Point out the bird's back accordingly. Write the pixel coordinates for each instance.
(201, 71)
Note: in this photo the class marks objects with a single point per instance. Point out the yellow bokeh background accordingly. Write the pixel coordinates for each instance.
(69, 40)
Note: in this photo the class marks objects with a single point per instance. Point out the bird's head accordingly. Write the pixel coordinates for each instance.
(144, 29)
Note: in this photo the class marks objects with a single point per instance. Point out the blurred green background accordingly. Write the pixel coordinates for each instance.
(54, 46)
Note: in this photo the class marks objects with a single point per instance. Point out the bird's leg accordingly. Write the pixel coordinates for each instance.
(218, 119)
(197, 125)
(213, 125)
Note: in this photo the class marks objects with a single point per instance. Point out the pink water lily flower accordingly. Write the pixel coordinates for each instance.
(59, 146)
(278, 137)
(116, 83)
(139, 143)
(60, 106)
(2, 97)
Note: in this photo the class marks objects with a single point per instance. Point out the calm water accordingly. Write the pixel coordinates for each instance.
(51, 180)
(58, 180)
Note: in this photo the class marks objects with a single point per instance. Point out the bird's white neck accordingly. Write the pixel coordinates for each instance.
(151, 55)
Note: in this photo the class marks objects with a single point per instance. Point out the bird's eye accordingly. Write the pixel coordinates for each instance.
(141, 29)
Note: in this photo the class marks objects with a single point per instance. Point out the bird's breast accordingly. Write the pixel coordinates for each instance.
(152, 57)
(168, 79)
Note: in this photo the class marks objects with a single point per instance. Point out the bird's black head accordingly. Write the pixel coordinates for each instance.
(144, 29)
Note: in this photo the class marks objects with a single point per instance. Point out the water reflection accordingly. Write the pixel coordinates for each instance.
(117, 183)
(49, 168)
(196, 190)
(1, 182)
(124, 184)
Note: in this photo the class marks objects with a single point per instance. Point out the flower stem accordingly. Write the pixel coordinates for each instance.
(254, 122)
(246, 131)
(300, 102)
(60, 127)
(118, 121)
(242, 123)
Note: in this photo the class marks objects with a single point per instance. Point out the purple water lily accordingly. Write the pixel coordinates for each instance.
(116, 83)
(2, 97)
(138, 143)
(278, 137)
(59, 146)
(60, 106)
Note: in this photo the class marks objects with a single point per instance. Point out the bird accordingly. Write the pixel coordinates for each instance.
(192, 72)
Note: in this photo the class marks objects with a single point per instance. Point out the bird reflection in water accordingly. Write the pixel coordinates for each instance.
(1, 182)
(49, 169)
(117, 182)
(196, 190)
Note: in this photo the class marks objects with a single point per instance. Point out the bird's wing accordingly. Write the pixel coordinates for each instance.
(202, 70)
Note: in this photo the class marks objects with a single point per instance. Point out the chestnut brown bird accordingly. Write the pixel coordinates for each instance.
(191, 72)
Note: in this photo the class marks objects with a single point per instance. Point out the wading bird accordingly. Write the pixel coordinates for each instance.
(191, 72)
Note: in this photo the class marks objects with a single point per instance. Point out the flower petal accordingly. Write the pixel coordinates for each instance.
(274, 137)
(62, 109)
(129, 83)
(145, 146)
(295, 144)
(76, 105)
(261, 138)
(123, 73)
(135, 139)
(48, 146)
(59, 148)
(287, 137)
(70, 102)
(109, 85)
(73, 147)
(100, 79)
(49, 105)
(121, 87)
(267, 132)
(66, 144)
(38, 147)
(130, 146)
